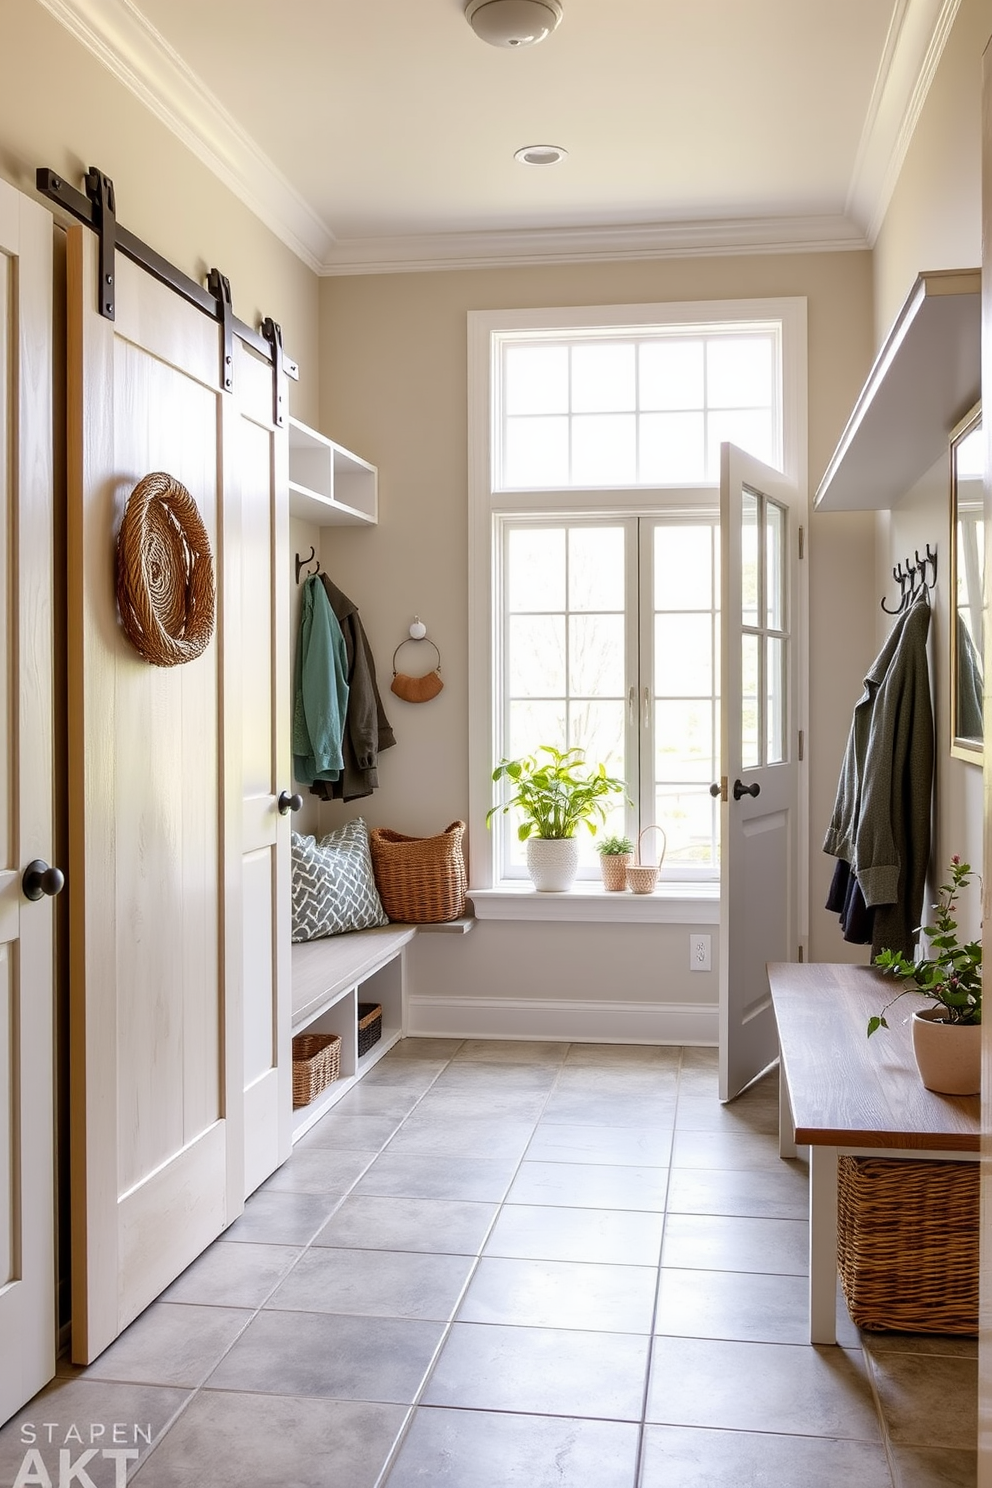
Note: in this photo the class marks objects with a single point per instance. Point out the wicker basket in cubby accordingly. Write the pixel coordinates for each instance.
(316, 1063)
(907, 1243)
(369, 1026)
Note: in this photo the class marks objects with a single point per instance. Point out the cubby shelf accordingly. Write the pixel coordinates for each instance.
(328, 485)
(330, 978)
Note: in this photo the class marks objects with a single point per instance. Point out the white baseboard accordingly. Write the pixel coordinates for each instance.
(559, 1018)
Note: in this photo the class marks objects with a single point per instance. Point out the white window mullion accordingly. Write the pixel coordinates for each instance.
(642, 623)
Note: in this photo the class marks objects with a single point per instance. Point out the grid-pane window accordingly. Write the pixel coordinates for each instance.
(566, 634)
(610, 640)
(680, 744)
(648, 409)
(599, 479)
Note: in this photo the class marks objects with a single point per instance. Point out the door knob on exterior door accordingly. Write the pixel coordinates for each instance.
(740, 789)
(287, 803)
(719, 788)
(39, 879)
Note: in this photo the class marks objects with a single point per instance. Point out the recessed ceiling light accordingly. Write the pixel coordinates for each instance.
(513, 23)
(540, 154)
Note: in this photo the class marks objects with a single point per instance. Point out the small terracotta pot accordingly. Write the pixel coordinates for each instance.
(613, 867)
(948, 1055)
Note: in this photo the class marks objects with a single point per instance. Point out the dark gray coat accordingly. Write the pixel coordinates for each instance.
(881, 817)
(367, 730)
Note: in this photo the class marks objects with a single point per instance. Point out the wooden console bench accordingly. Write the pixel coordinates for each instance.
(841, 1092)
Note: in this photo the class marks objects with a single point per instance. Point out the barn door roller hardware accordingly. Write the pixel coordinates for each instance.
(97, 209)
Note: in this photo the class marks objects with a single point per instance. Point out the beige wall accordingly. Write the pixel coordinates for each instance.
(59, 107)
(393, 387)
(934, 222)
(934, 217)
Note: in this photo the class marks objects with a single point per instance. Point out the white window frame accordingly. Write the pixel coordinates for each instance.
(486, 505)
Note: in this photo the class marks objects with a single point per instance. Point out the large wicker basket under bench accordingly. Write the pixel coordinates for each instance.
(907, 1236)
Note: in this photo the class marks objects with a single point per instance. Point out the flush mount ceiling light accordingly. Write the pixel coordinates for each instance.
(513, 23)
(540, 154)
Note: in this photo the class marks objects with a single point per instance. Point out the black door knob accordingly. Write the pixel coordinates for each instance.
(716, 789)
(288, 803)
(39, 879)
(740, 789)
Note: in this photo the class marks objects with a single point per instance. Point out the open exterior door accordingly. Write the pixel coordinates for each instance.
(760, 519)
(27, 1137)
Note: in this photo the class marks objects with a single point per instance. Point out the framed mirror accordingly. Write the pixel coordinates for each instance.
(967, 587)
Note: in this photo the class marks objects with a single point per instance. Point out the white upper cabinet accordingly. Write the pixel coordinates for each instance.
(328, 485)
(925, 379)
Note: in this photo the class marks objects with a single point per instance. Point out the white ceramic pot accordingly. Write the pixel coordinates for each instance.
(552, 863)
(948, 1055)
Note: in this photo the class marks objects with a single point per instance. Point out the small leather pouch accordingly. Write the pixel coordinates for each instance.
(416, 689)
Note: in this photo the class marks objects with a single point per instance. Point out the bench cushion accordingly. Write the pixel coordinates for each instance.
(333, 885)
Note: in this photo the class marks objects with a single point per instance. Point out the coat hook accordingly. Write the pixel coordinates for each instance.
(301, 563)
(911, 576)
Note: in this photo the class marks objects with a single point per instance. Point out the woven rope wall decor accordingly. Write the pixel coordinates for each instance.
(165, 573)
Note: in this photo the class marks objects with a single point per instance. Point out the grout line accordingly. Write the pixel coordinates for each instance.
(390, 1461)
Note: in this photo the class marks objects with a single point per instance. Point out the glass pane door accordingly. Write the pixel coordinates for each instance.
(764, 630)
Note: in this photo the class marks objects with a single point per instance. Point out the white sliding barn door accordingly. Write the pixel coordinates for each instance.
(257, 750)
(151, 1132)
(27, 1139)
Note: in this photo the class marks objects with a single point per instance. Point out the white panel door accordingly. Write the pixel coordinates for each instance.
(759, 913)
(257, 705)
(27, 1140)
(149, 1101)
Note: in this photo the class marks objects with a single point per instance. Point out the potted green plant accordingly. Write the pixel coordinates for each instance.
(614, 855)
(556, 792)
(947, 1036)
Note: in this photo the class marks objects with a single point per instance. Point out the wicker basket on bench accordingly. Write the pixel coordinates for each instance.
(421, 880)
(907, 1243)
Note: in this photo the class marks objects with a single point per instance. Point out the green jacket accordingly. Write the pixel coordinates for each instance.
(320, 691)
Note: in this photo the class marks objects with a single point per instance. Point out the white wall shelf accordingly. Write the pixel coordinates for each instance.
(328, 485)
(925, 379)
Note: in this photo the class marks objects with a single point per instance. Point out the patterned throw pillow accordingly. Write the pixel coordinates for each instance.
(333, 886)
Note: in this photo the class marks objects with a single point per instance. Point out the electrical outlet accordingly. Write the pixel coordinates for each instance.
(699, 953)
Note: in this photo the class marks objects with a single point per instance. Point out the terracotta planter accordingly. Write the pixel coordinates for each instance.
(613, 867)
(552, 863)
(948, 1055)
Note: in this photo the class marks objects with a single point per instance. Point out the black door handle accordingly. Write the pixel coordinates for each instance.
(39, 879)
(288, 803)
(740, 789)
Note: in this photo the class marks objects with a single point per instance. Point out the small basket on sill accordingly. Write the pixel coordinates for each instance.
(369, 1026)
(642, 877)
(316, 1063)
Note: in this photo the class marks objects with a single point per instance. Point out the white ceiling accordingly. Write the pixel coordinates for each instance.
(379, 134)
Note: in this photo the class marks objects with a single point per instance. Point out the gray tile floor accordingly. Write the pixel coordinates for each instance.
(514, 1265)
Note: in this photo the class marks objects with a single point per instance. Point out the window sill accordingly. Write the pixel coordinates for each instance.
(670, 904)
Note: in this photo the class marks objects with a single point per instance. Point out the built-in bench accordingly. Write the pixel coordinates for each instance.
(332, 976)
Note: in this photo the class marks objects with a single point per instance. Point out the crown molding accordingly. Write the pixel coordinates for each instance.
(508, 249)
(918, 32)
(140, 58)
